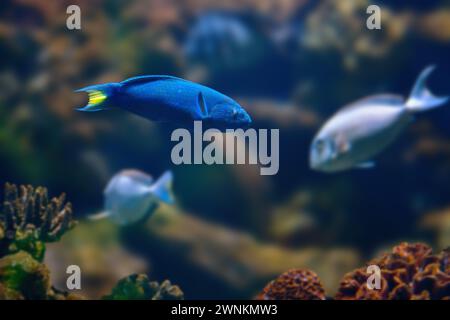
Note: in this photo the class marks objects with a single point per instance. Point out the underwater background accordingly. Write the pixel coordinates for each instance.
(291, 64)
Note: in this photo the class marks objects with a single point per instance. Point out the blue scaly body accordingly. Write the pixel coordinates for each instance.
(168, 99)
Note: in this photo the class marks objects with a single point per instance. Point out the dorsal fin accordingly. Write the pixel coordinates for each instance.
(141, 79)
(138, 176)
(385, 99)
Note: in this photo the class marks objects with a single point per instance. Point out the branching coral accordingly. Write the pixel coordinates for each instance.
(410, 272)
(28, 219)
(138, 287)
(294, 284)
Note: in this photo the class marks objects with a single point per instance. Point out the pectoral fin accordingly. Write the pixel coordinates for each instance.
(342, 144)
(366, 165)
(99, 216)
(201, 104)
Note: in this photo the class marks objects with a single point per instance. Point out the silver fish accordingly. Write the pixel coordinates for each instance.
(358, 132)
(132, 196)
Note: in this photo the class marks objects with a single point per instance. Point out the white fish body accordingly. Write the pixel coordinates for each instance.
(358, 132)
(131, 195)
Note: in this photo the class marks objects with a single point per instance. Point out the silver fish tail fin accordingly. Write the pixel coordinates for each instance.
(162, 188)
(421, 99)
(99, 96)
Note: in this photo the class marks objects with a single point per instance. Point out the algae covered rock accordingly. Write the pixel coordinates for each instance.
(55, 294)
(23, 277)
(138, 287)
(9, 294)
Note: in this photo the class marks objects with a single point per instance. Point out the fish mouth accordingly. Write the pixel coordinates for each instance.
(247, 120)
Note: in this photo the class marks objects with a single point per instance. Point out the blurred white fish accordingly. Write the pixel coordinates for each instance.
(132, 196)
(361, 130)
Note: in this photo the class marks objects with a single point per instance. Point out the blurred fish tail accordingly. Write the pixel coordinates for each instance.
(421, 99)
(162, 188)
(99, 96)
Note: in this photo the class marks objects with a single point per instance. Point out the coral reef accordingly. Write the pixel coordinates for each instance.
(410, 272)
(138, 287)
(295, 284)
(29, 219)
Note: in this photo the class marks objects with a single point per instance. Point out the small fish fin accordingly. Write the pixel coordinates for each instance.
(151, 78)
(138, 176)
(366, 165)
(162, 188)
(99, 216)
(421, 99)
(201, 103)
(90, 108)
(97, 98)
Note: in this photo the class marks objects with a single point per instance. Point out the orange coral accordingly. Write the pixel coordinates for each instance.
(410, 272)
(295, 284)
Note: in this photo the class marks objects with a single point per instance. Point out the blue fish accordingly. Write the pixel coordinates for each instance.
(168, 99)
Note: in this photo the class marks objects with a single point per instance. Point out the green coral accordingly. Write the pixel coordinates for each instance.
(138, 287)
(28, 219)
(9, 294)
(23, 277)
